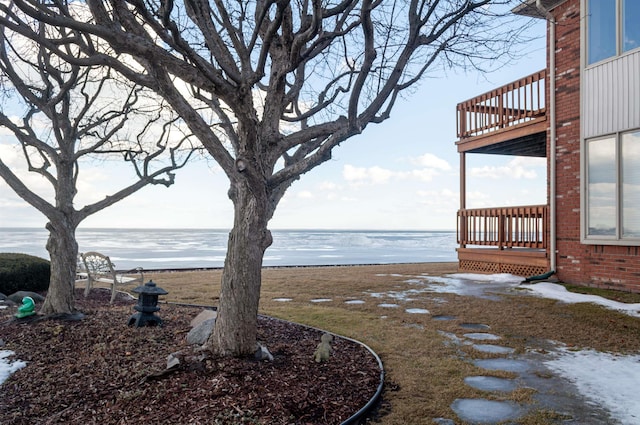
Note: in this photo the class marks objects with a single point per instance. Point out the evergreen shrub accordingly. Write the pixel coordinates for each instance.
(22, 272)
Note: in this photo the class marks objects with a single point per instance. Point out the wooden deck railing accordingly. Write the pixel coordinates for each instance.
(507, 106)
(508, 227)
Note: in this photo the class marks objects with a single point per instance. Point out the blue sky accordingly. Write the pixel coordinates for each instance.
(402, 174)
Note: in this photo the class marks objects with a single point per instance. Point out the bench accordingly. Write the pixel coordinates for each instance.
(96, 267)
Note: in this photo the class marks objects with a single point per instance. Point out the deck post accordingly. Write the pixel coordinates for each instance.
(463, 200)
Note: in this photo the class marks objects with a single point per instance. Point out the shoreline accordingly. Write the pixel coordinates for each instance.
(295, 266)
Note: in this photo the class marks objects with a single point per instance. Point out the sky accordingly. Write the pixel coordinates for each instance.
(402, 174)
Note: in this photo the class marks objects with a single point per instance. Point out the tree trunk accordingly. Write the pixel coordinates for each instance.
(235, 330)
(63, 251)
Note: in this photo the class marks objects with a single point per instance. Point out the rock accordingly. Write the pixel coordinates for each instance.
(200, 333)
(262, 353)
(204, 315)
(173, 360)
(2, 296)
(17, 297)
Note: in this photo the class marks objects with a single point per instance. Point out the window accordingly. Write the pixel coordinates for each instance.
(601, 189)
(631, 25)
(631, 185)
(613, 187)
(612, 28)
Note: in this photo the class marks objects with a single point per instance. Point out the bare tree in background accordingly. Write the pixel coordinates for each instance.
(286, 82)
(64, 116)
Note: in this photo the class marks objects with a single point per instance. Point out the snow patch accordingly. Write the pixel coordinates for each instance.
(607, 379)
(560, 293)
(7, 367)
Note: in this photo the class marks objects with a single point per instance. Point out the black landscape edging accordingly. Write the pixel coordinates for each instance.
(376, 397)
(364, 410)
(373, 400)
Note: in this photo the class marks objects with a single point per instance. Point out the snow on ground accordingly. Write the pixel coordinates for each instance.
(7, 367)
(494, 278)
(560, 293)
(608, 380)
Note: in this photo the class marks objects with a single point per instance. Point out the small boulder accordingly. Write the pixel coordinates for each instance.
(173, 360)
(17, 297)
(200, 333)
(204, 315)
(262, 353)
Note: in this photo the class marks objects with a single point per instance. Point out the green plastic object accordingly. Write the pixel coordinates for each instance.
(27, 308)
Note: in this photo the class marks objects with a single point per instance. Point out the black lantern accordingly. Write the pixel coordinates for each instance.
(147, 305)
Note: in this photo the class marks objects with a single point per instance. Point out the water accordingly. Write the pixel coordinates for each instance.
(204, 248)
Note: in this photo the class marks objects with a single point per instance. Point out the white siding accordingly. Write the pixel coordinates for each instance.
(611, 95)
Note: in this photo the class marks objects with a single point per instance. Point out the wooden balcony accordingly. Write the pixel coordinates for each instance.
(505, 240)
(509, 120)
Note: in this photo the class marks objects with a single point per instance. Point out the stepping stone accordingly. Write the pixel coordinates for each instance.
(507, 365)
(321, 300)
(475, 326)
(443, 318)
(283, 299)
(493, 349)
(385, 305)
(482, 411)
(482, 336)
(490, 383)
(414, 326)
(417, 311)
(354, 302)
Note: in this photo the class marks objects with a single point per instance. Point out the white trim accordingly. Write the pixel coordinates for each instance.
(551, 48)
(582, 142)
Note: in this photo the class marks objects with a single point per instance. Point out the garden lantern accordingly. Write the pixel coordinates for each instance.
(147, 305)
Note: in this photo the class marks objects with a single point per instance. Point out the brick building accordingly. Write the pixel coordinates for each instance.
(582, 113)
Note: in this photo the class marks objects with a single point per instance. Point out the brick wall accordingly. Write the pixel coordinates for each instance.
(594, 265)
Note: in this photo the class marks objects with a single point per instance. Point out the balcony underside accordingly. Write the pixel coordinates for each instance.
(517, 261)
(528, 139)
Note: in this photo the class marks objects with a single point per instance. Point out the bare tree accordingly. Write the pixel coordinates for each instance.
(64, 116)
(287, 81)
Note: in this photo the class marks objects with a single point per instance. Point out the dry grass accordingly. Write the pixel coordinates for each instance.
(424, 372)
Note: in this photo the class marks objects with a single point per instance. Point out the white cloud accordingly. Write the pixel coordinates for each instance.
(328, 186)
(517, 168)
(444, 193)
(8, 154)
(425, 174)
(428, 166)
(429, 160)
(439, 201)
(305, 194)
(371, 175)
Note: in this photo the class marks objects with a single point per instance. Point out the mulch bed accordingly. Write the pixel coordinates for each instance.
(99, 370)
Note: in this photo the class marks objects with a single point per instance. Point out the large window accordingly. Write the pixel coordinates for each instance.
(613, 187)
(613, 27)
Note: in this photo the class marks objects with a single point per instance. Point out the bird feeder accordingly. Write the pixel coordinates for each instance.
(147, 305)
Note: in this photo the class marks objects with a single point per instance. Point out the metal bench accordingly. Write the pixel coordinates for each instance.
(96, 267)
